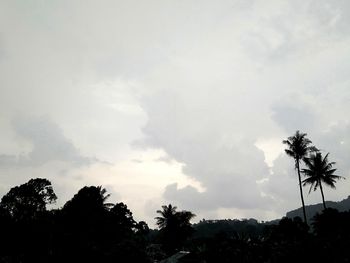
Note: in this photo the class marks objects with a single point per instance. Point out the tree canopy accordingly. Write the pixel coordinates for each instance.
(29, 199)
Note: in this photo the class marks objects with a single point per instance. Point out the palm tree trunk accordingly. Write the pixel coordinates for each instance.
(301, 192)
(324, 203)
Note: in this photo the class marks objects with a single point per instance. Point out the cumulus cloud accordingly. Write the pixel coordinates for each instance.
(205, 134)
(293, 114)
(48, 144)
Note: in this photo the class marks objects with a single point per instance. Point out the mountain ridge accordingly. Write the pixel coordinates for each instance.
(311, 210)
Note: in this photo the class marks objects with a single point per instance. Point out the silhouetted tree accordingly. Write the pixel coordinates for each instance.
(128, 238)
(319, 170)
(96, 231)
(29, 199)
(175, 227)
(88, 199)
(289, 241)
(142, 228)
(167, 216)
(25, 221)
(298, 148)
(84, 223)
(122, 220)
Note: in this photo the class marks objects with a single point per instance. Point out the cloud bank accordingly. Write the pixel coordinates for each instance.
(200, 95)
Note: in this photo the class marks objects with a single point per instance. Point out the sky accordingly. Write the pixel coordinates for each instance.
(174, 101)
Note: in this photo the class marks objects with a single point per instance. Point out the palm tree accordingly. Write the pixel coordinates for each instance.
(319, 170)
(298, 148)
(168, 215)
(175, 227)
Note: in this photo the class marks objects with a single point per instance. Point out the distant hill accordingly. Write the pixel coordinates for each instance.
(311, 210)
(212, 228)
(254, 228)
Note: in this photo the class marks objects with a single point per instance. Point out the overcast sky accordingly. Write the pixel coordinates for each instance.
(182, 101)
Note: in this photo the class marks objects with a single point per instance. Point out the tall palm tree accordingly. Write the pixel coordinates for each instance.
(319, 170)
(298, 148)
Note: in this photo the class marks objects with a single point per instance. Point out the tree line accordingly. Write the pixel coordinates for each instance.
(89, 229)
(86, 229)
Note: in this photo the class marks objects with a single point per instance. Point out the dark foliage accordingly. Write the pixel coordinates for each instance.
(28, 200)
(87, 229)
(332, 229)
(175, 228)
(211, 228)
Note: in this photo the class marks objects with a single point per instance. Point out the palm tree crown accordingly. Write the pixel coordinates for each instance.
(319, 170)
(175, 227)
(167, 215)
(298, 146)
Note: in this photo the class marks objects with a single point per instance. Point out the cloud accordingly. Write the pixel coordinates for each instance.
(208, 140)
(335, 140)
(294, 114)
(48, 144)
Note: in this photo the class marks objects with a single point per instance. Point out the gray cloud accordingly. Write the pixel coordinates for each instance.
(335, 140)
(48, 144)
(212, 147)
(294, 114)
